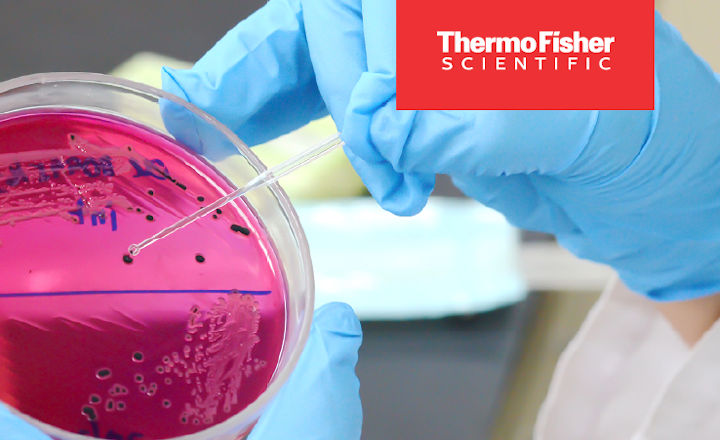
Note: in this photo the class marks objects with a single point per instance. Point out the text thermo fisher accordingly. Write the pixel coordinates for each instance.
(549, 50)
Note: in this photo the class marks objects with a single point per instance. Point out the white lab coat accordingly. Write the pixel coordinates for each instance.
(628, 376)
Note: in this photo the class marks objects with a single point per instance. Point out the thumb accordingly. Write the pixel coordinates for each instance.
(13, 428)
(321, 399)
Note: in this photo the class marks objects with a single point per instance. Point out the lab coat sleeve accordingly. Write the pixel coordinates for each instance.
(689, 405)
(611, 377)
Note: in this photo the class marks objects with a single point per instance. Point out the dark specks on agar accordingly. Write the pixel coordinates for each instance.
(240, 229)
(149, 218)
(199, 258)
(90, 413)
(127, 259)
(170, 178)
(201, 199)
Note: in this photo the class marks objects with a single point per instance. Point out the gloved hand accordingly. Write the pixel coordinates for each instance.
(638, 190)
(13, 428)
(320, 400)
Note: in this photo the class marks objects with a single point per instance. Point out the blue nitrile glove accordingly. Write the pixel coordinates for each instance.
(320, 400)
(638, 190)
(12, 428)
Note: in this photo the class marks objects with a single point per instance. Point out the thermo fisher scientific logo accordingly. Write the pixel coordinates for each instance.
(522, 54)
(543, 52)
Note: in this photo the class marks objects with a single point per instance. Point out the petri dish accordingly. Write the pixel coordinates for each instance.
(189, 340)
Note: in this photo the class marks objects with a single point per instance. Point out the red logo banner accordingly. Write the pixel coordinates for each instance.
(525, 54)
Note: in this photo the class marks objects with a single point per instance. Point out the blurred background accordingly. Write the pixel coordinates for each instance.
(464, 316)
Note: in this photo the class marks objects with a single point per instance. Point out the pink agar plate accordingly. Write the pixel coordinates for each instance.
(95, 342)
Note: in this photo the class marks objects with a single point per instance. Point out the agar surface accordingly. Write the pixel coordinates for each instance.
(88, 322)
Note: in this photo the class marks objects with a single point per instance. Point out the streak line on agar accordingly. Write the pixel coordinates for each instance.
(129, 292)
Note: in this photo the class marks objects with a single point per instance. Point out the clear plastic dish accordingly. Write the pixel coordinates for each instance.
(164, 115)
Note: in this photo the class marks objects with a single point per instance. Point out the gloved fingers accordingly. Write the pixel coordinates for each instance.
(335, 35)
(258, 79)
(194, 131)
(380, 36)
(375, 89)
(399, 193)
(517, 198)
(490, 143)
(13, 428)
(321, 399)
(401, 144)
